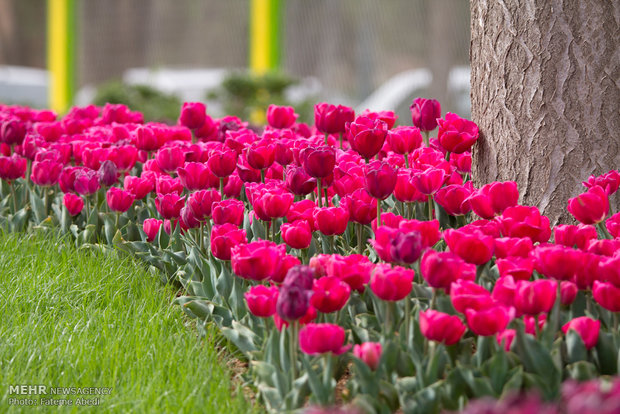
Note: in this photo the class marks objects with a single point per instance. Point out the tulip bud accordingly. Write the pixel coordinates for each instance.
(262, 300)
(380, 179)
(441, 327)
(587, 328)
(424, 113)
(108, 173)
(320, 338)
(370, 353)
(73, 203)
(151, 228)
(119, 200)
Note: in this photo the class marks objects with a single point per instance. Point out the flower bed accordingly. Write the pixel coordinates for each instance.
(350, 248)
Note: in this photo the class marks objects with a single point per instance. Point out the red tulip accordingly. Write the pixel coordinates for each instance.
(474, 247)
(331, 220)
(429, 181)
(287, 262)
(571, 236)
(523, 221)
(389, 117)
(405, 190)
(297, 234)
(607, 295)
(320, 338)
(146, 139)
(466, 294)
(272, 204)
(73, 203)
(45, 173)
(513, 246)
(281, 116)
(194, 176)
(609, 270)
(441, 327)
(119, 200)
(138, 186)
(193, 114)
(557, 262)
(613, 225)
(201, 202)
(370, 353)
(406, 248)
(494, 198)
(169, 205)
(262, 300)
(506, 338)
(440, 269)
(12, 131)
(13, 167)
(428, 229)
(331, 119)
(488, 322)
(453, 198)
(391, 283)
(603, 247)
(330, 294)
(587, 328)
(170, 158)
(318, 162)
(362, 207)
(86, 182)
(404, 139)
(367, 136)
(610, 181)
(532, 298)
(462, 162)
(354, 270)
(504, 291)
(568, 293)
(257, 260)
(151, 228)
(424, 113)
(457, 134)
(380, 179)
(520, 268)
(590, 207)
(222, 163)
(298, 181)
(228, 211)
(261, 154)
(224, 238)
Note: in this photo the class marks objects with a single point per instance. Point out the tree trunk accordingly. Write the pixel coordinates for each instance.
(545, 90)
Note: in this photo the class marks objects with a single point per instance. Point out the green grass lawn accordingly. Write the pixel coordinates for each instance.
(72, 318)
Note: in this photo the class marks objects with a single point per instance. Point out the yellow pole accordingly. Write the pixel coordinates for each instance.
(61, 53)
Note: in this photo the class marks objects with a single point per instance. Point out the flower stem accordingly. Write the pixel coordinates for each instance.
(426, 138)
(262, 176)
(12, 187)
(326, 197)
(292, 343)
(326, 137)
(433, 299)
(430, 208)
(378, 213)
(222, 188)
(320, 187)
(327, 377)
(360, 235)
(406, 160)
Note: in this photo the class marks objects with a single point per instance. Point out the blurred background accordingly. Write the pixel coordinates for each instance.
(154, 54)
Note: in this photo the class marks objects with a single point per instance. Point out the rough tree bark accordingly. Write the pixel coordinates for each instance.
(545, 90)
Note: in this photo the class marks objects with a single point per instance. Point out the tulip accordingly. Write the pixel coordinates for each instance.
(201, 202)
(302, 210)
(124, 157)
(380, 179)
(138, 186)
(382, 243)
(86, 182)
(261, 154)
(262, 300)
(367, 136)
(119, 200)
(331, 119)
(429, 181)
(494, 198)
(520, 268)
(513, 246)
(167, 185)
(228, 211)
(504, 291)
(466, 294)
(607, 295)
(403, 140)
(462, 162)
(284, 153)
(406, 248)
(490, 321)
(146, 139)
(428, 229)
(590, 207)
(506, 338)
(318, 162)
(281, 116)
(362, 207)
(587, 328)
(287, 262)
(391, 283)
(440, 269)
(424, 113)
(610, 181)
(569, 235)
(441, 327)
(557, 262)
(45, 173)
(532, 298)
(330, 294)
(272, 204)
(293, 302)
(169, 205)
(12, 131)
(187, 219)
(108, 173)
(370, 353)
(474, 247)
(354, 270)
(297, 235)
(151, 228)
(73, 203)
(298, 181)
(603, 247)
(224, 238)
(169, 159)
(613, 225)
(456, 134)
(193, 114)
(524, 221)
(13, 167)
(194, 176)
(331, 220)
(257, 260)
(609, 270)
(568, 293)
(320, 338)
(222, 163)
(405, 190)
(453, 198)
(389, 117)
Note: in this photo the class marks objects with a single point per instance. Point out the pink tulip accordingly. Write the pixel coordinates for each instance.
(441, 327)
(429, 181)
(170, 158)
(613, 225)
(494, 198)
(457, 134)
(45, 173)
(330, 294)
(12, 168)
(404, 139)
(440, 269)
(424, 113)
(119, 200)
(532, 298)
(331, 220)
(257, 260)
(169, 205)
(138, 186)
(224, 238)
(202, 202)
(151, 228)
(73, 203)
(454, 199)
(331, 119)
(193, 114)
(590, 207)
(610, 181)
(474, 247)
(519, 268)
(297, 234)
(513, 246)
(370, 353)
(222, 163)
(571, 236)
(318, 162)
(194, 176)
(281, 116)
(523, 221)
(362, 207)
(607, 295)
(354, 269)
(262, 300)
(320, 338)
(466, 294)
(489, 322)
(391, 283)
(587, 328)
(367, 136)
(380, 179)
